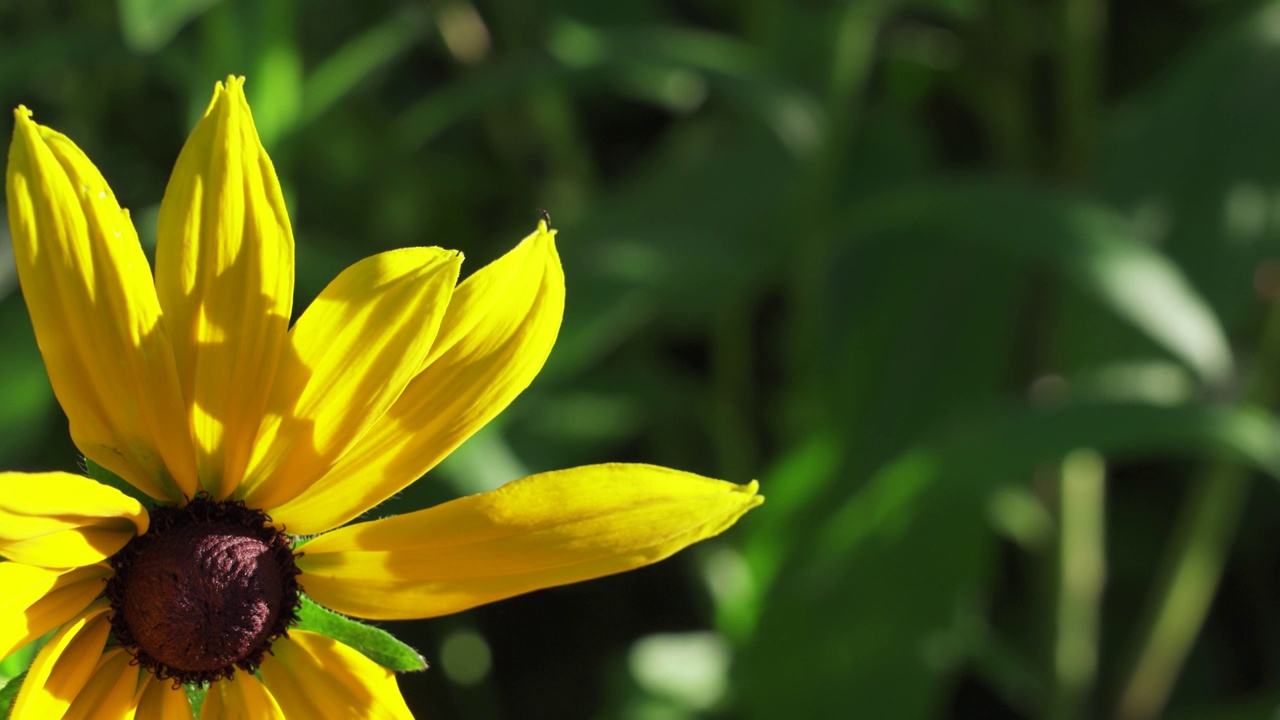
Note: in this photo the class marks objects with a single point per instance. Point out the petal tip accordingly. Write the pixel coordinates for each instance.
(23, 124)
(544, 226)
(226, 94)
(751, 497)
(27, 139)
(231, 84)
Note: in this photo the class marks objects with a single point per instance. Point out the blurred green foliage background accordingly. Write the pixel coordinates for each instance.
(981, 290)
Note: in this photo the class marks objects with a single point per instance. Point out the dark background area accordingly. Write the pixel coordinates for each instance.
(981, 291)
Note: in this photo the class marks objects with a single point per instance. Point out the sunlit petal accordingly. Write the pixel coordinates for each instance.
(498, 331)
(244, 698)
(93, 304)
(159, 700)
(36, 600)
(63, 666)
(62, 520)
(224, 272)
(545, 530)
(313, 676)
(349, 357)
(109, 693)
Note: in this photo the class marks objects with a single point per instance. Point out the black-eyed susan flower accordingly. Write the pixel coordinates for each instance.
(244, 433)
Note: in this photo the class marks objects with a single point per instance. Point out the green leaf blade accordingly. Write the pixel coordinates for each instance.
(374, 643)
(9, 693)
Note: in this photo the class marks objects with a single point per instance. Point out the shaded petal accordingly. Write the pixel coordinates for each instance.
(93, 304)
(109, 693)
(63, 666)
(313, 676)
(158, 700)
(349, 357)
(36, 600)
(545, 530)
(224, 272)
(57, 519)
(244, 698)
(498, 331)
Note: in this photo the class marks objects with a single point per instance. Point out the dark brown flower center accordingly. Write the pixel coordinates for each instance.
(204, 591)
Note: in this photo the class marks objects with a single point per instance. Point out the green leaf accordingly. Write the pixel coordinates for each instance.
(8, 693)
(797, 480)
(362, 56)
(1093, 249)
(676, 67)
(149, 25)
(909, 554)
(374, 643)
(1194, 158)
(18, 661)
(106, 477)
(28, 397)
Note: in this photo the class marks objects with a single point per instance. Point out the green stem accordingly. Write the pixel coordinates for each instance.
(1193, 564)
(1079, 56)
(1081, 575)
(852, 59)
(1192, 569)
(1003, 85)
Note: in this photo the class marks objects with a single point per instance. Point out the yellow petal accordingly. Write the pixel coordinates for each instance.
(313, 676)
(498, 331)
(93, 304)
(224, 272)
(109, 694)
(244, 698)
(58, 519)
(36, 600)
(349, 357)
(63, 666)
(159, 700)
(545, 530)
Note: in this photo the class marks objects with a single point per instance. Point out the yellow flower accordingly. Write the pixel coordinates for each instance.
(194, 389)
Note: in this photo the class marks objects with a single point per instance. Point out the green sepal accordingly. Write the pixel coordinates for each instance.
(195, 695)
(8, 693)
(106, 477)
(374, 643)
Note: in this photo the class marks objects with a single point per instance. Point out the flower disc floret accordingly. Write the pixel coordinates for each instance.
(204, 592)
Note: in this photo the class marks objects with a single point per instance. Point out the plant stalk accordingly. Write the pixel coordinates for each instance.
(1193, 564)
(1081, 576)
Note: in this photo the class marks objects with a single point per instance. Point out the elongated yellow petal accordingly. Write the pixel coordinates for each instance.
(224, 272)
(498, 331)
(545, 530)
(159, 700)
(36, 600)
(61, 520)
(244, 698)
(109, 693)
(313, 676)
(93, 304)
(349, 357)
(63, 666)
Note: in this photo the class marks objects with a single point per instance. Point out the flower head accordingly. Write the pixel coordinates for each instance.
(240, 432)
